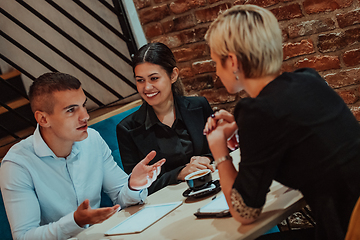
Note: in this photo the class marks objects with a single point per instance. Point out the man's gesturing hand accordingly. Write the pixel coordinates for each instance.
(143, 175)
(85, 215)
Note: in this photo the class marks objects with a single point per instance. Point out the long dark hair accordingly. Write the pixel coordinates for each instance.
(159, 54)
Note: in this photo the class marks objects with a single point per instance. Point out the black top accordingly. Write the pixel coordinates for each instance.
(300, 132)
(174, 140)
(141, 132)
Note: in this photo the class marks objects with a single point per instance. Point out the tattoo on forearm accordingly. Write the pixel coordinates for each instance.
(240, 206)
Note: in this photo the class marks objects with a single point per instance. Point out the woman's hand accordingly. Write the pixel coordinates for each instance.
(227, 124)
(196, 163)
(218, 118)
(233, 142)
(220, 131)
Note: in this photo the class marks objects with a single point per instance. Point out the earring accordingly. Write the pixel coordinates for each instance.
(236, 76)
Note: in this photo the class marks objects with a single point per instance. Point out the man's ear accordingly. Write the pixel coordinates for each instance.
(41, 118)
(174, 75)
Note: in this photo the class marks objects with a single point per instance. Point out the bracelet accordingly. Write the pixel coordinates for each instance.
(222, 159)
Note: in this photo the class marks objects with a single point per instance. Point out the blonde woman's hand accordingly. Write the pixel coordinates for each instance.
(224, 119)
(233, 141)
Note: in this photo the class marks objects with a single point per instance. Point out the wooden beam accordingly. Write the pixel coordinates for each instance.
(15, 104)
(124, 108)
(8, 141)
(9, 75)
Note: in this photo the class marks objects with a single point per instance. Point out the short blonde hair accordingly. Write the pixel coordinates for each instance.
(253, 34)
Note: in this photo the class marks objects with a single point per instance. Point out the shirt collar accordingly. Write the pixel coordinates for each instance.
(151, 118)
(42, 149)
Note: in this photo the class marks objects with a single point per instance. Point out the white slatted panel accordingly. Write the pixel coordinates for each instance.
(67, 47)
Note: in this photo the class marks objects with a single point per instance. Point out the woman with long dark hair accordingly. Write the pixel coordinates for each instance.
(167, 122)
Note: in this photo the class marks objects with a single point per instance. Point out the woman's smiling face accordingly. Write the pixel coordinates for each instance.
(153, 83)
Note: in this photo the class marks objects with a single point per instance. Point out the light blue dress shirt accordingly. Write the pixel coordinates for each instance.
(41, 191)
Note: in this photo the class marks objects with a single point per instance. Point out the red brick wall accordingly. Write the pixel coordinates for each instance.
(321, 34)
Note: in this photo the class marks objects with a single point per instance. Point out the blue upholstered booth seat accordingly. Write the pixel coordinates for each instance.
(5, 232)
(273, 230)
(107, 130)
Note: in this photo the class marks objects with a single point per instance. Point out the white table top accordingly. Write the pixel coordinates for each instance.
(182, 224)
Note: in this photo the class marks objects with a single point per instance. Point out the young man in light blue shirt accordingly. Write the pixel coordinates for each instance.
(51, 182)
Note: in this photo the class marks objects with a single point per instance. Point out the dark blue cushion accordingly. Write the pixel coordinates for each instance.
(5, 232)
(107, 130)
(273, 230)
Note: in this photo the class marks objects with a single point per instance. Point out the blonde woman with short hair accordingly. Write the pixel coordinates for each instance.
(292, 128)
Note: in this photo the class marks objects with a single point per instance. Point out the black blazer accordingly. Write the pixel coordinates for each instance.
(135, 142)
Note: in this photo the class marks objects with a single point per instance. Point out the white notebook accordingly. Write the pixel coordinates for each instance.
(142, 219)
(219, 204)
